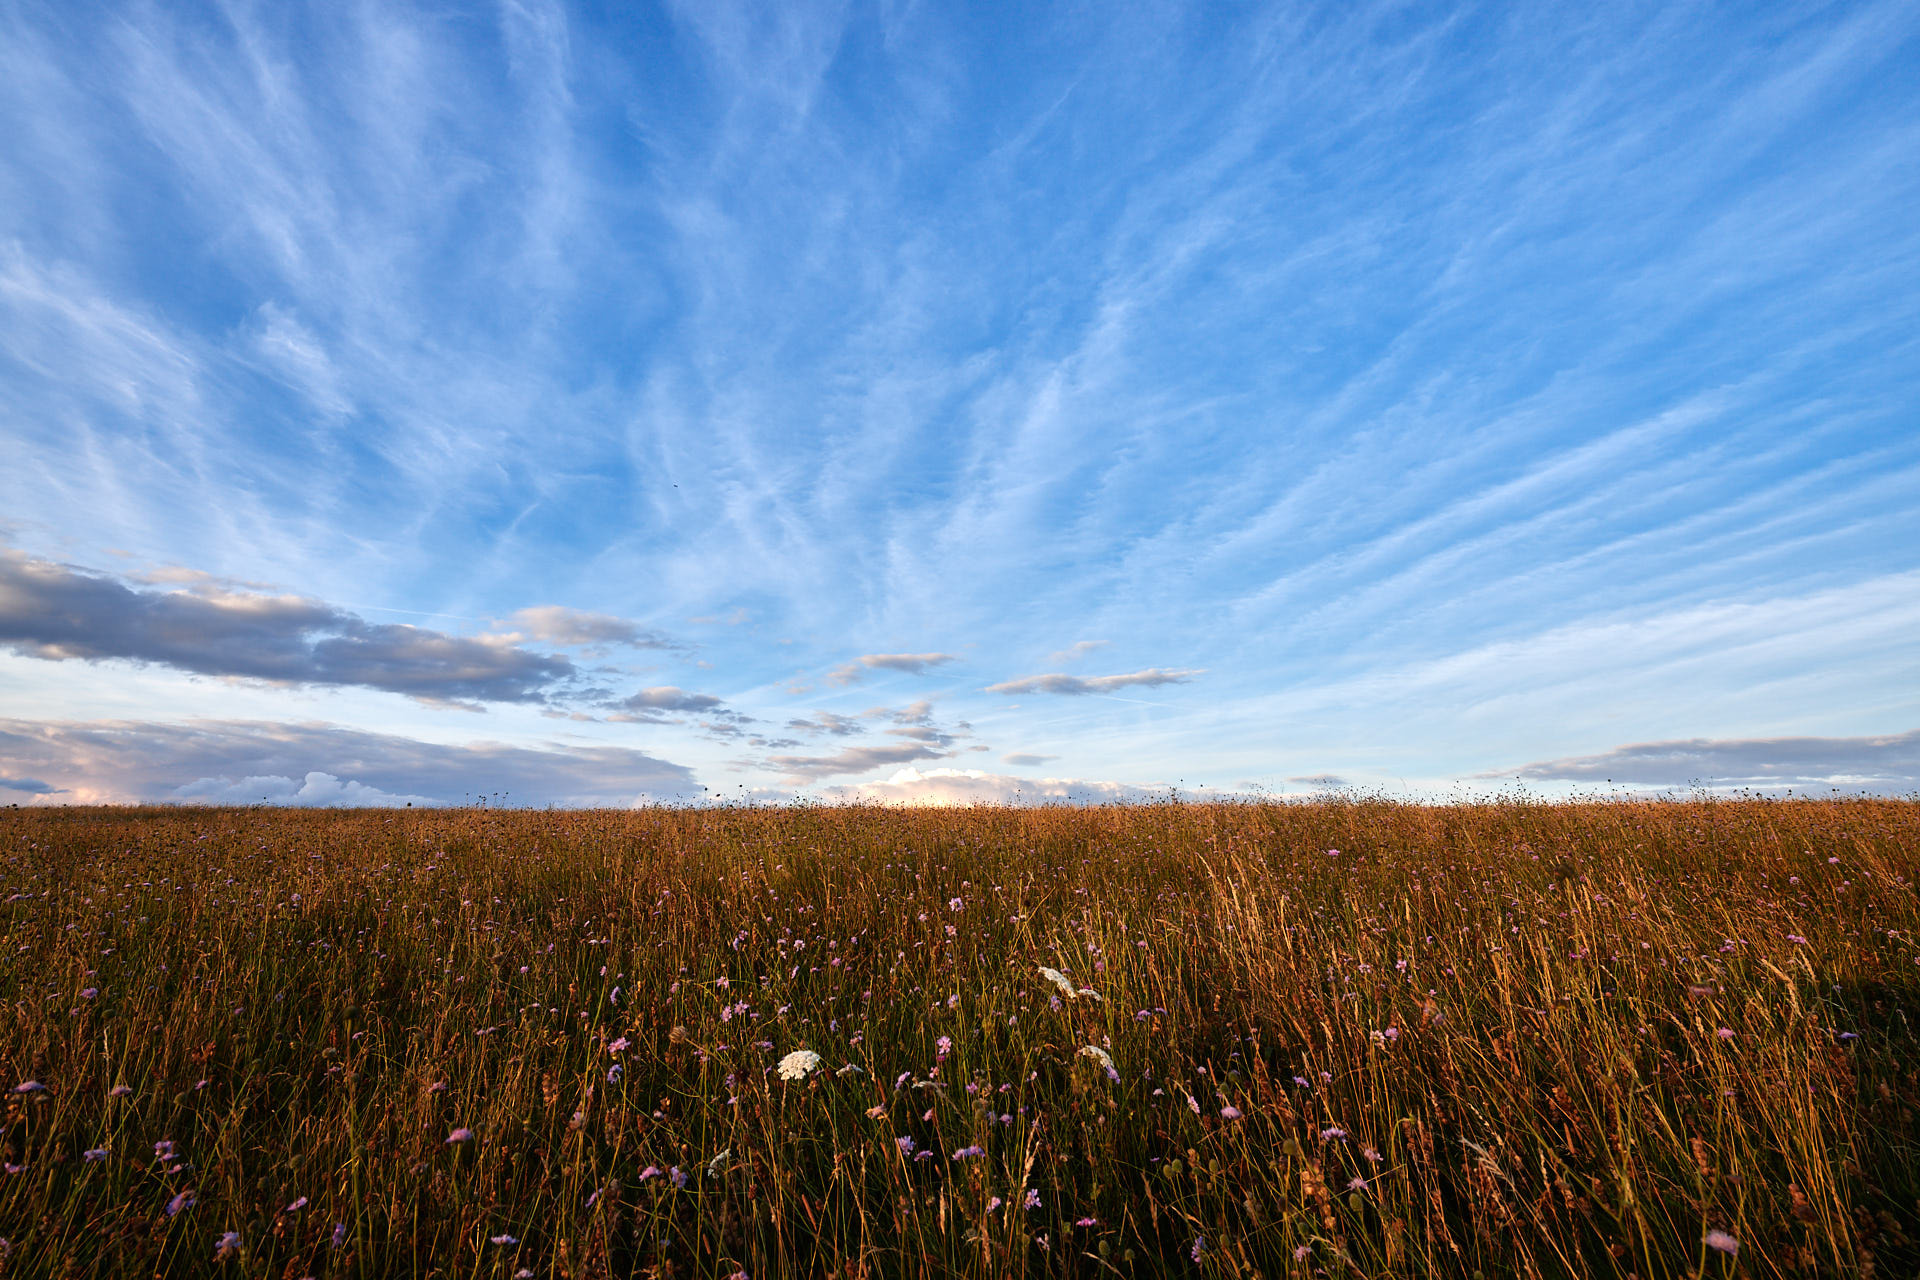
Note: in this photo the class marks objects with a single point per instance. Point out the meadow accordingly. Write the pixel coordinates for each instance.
(1346, 1038)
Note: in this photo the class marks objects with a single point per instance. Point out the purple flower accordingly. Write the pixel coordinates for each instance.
(459, 1135)
(1721, 1240)
(89, 993)
(503, 1238)
(182, 1201)
(339, 1234)
(1358, 1184)
(29, 1086)
(677, 1176)
(1032, 1201)
(94, 1155)
(296, 1206)
(905, 1144)
(1087, 1222)
(1229, 1113)
(226, 1244)
(968, 1153)
(1725, 1033)
(120, 1091)
(1199, 1248)
(649, 1173)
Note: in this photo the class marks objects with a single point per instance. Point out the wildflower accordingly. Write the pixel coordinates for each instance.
(1301, 1252)
(1199, 1248)
(799, 1064)
(1371, 1154)
(617, 1045)
(1725, 1033)
(94, 1155)
(29, 1086)
(438, 1086)
(120, 1091)
(1193, 1104)
(1357, 1184)
(677, 1176)
(1229, 1112)
(1032, 1200)
(954, 904)
(296, 1206)
(877, 1113)
(905, 1144)
(89, 993)
(503, 1238)
(968, 1153)
(1143, 1015)
(613, 1074)
(163, 1149)
(226, 1244)
(182, 1201)
(1087, 1222)
(339, 1234)
(1332, 1133)
(1721, 1240)
(994, 1203)
(649, 1173)
(943, 1046)
(458, 1135)
(1099, 1055)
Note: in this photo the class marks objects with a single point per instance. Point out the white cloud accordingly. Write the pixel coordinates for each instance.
(1077, 686)
(317, 790)
(914, 786)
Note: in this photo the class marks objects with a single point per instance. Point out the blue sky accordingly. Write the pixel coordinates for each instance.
(601, 403)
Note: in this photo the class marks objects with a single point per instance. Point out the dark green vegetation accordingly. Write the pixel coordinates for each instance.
(1514, 1039)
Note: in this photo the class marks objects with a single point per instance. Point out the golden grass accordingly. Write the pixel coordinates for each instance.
(1507, 1039)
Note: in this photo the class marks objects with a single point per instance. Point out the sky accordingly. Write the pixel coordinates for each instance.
(631, 404)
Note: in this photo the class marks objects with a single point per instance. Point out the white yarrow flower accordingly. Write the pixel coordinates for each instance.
(1098, 1054)
(800, 1064)
(1061, 981)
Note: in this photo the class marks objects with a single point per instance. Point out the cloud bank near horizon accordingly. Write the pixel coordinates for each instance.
(1889, 763)
(252, 762)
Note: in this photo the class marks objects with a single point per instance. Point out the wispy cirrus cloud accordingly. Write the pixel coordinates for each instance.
(1078, 686)
(226, 761)
(1885, 763)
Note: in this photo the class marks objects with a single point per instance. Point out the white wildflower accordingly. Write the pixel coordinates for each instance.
(1098, 1054)
(800, 1064)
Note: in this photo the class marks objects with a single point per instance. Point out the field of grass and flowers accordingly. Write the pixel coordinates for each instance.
(1349, 1038)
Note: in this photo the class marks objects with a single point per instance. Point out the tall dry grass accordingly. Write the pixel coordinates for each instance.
(1505, 1039)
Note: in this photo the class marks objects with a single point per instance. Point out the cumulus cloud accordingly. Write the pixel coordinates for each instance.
(911, 663)
(237, 761)
(556, 624)
(1074, 686)
(1889, 764)
(316, 791)
(60, 613)
(973, 786)
(667, 697)
(827, 722)
(1026, 760)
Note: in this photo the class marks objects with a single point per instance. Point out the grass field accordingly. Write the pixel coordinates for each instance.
(1345, 1038)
